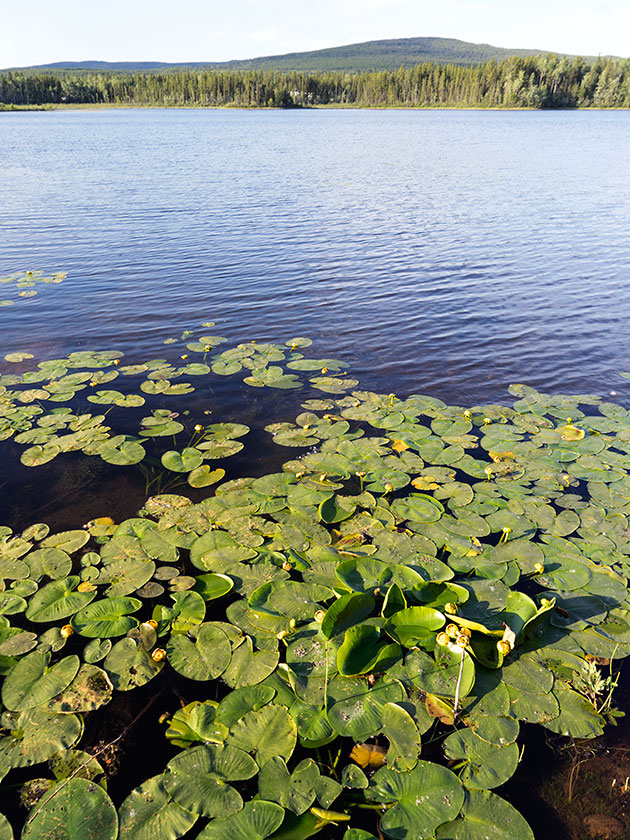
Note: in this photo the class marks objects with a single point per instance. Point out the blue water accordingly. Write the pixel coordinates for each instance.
(444, 252)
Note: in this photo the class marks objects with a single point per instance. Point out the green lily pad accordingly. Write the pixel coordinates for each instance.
(249, 667)
(73, 810)
(203, 476)
(355, 708)
(265, 733)
(106, 618)
(414, 625)
(485, 816)
(196, 722)
(256, 821)
(425, 797)
(32, 681)
(213, 586)
(403, 736)
(578, 717)
(203, 653)
(440, 675)
(129, 665)
(149, 813)
(295, 791)
(364, 650)
(34, 736)
(486, 765)
(197, 779)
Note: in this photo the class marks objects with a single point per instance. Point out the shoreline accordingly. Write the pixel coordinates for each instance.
(120, 106)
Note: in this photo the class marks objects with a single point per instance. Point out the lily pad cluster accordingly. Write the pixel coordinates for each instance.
(23, 284)
(373, 623)
(50, 410)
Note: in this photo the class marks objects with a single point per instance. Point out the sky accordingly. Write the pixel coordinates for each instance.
(42, 31)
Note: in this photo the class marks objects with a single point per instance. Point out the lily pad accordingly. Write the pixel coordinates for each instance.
(149, 813)
(424, 798)
(73, 810)
(197, 779)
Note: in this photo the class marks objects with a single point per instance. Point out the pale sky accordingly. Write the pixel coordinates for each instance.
(41, 31)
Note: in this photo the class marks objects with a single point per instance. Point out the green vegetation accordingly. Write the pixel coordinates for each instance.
(404, 595)
(369, 55)
(536, 82)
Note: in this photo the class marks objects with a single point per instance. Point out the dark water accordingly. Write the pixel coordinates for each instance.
(448, 252)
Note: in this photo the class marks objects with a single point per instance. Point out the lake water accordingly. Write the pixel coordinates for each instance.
(448, 253)
(443, 252)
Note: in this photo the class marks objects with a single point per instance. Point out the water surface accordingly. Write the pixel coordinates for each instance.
(448, 252)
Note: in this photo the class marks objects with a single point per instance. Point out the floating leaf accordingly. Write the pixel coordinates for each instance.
(257, 820)
(197, 779)
(425, 797)
(107, 618)
(203, 653)
(78, 808)
(32, 681)
(149, 813)
(268, 732)
(485, 816)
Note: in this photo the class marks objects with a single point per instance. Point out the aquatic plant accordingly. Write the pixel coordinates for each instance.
(399, 598)
(23, 283)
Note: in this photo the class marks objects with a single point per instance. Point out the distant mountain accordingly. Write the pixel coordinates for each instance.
(369, 55)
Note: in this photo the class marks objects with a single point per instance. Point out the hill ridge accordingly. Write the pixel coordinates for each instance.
(384, 54)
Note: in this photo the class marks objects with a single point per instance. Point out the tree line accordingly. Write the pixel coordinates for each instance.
(545, 81)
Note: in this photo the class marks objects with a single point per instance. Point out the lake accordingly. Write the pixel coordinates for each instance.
(442, 252)
(449, 253)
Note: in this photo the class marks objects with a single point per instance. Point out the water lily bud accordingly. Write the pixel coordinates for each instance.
(463, 640)
(539, 568)
(503, 647)
(324, 370)
(452, 630)
(287, 566)
(282, 634)
(389, 488)
(486, 421)
(506, 529)
(545, 602)
(450, 608)
(185, 356)
(92, 384)
(319, 615)
(299, 475)
(468, 414)
(152, 622)
(199, 427)
(488, 471)
(67, 630)
(158, 655)
(322, 477)
(442, 639)
(360, 474)
(306, 426)
(292, 623)
(116, 361)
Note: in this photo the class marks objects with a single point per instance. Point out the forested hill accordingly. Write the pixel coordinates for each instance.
(369, 55)
(519, 82)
